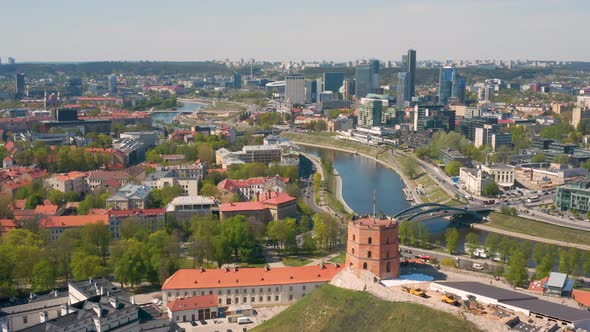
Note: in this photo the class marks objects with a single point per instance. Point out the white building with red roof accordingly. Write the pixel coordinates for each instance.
(193, 308)
(249, 189)
(268, 206)
(252, 286)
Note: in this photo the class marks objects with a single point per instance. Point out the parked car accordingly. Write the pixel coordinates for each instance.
(477, 266)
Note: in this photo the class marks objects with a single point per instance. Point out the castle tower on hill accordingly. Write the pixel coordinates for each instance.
(373, 245)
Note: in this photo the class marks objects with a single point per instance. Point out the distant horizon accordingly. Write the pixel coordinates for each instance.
(188, 31)
(270, 61)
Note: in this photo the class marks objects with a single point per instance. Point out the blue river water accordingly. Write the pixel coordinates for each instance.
(168, 116)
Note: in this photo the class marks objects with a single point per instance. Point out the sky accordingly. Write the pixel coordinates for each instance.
(279, 30)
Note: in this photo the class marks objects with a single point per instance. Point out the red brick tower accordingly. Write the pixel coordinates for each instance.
(373, 245)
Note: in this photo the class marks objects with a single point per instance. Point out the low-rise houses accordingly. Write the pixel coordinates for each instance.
(110, 181)
(268, 206)
(130, 196)
(249, 189)
(68, 182)
(474, 180)
(185, 176)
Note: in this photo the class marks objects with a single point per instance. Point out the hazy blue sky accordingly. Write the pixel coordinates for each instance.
(85, 30)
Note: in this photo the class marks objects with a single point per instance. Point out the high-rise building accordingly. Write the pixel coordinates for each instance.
(403, 90)
(11, 61)
(347, 89)
(20, 85)
(485, 93)
(311, 91)
(366, 78)
(445, 84)
(370, 114)
(459, 89)
(580, 114)
(237, 83)
(332, 81)
(295, 89)
(112, 80)
(410, 68)
(74, 87)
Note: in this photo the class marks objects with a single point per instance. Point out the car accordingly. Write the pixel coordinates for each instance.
(203, 322)
(477, 266)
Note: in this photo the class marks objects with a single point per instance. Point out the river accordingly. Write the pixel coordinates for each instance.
(168, 116)
(361, 176)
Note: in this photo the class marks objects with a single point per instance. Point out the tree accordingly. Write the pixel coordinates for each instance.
(98, 237)
(129, 262)
(34, 200)
(491, 189)
(517, 273)
(237, 235)
(5, 207)
(86, 266)
(43, 276)
(308, 243)
(209, 189)
(471, 243)
(538, 158)
(161, 197)
(163, 256)
(92, 201)
(452, 239)
(410, 167)
(283, 232)
(205, 153)
(453, 167)
(561, 159)
(132, 227)
(56, 197)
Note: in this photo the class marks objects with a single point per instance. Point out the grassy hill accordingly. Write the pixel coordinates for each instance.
(330, 308)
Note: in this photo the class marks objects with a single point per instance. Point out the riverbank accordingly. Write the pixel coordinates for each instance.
(318, 165)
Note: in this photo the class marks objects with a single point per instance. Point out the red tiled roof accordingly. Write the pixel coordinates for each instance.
(7, 223)
(242, 206)
(277, 198)
(582, 297)
(70, 176)
(20, 203)
(195, 302)
(46, 209)
(247, 277)
(73, 221)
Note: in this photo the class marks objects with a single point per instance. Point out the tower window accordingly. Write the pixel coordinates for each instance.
(353, 250)
(370, 240)
(387, 254)
(353, 237)
(369, 254)
(364, 265)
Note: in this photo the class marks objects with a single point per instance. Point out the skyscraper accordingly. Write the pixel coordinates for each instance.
(20, 85)
(459, 89)
(237, 83)
(445, 84)
(11, 61)
(411, 70)
(403, 93)
(366, 78)
(295, 89)
(333, 81)
(112, 83)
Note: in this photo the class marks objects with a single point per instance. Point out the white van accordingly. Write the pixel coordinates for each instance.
(244, 320)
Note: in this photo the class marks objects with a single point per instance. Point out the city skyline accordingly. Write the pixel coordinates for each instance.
(186, 31)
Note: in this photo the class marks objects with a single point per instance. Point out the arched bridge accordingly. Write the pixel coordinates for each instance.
(434, 210)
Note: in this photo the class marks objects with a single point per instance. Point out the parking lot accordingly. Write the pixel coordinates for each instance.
(222, 325)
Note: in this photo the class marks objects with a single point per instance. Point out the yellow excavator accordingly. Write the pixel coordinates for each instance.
(450, 299)
(414, 291)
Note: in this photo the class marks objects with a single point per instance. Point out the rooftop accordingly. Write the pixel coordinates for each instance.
(73, 221)
(248, 277)
(195, 302)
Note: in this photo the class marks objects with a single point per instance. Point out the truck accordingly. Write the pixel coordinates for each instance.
(244, 320)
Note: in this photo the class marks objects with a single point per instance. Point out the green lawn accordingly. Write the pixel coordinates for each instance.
(330, 308)
(340, 259)
(295, 261)
(540, 229)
